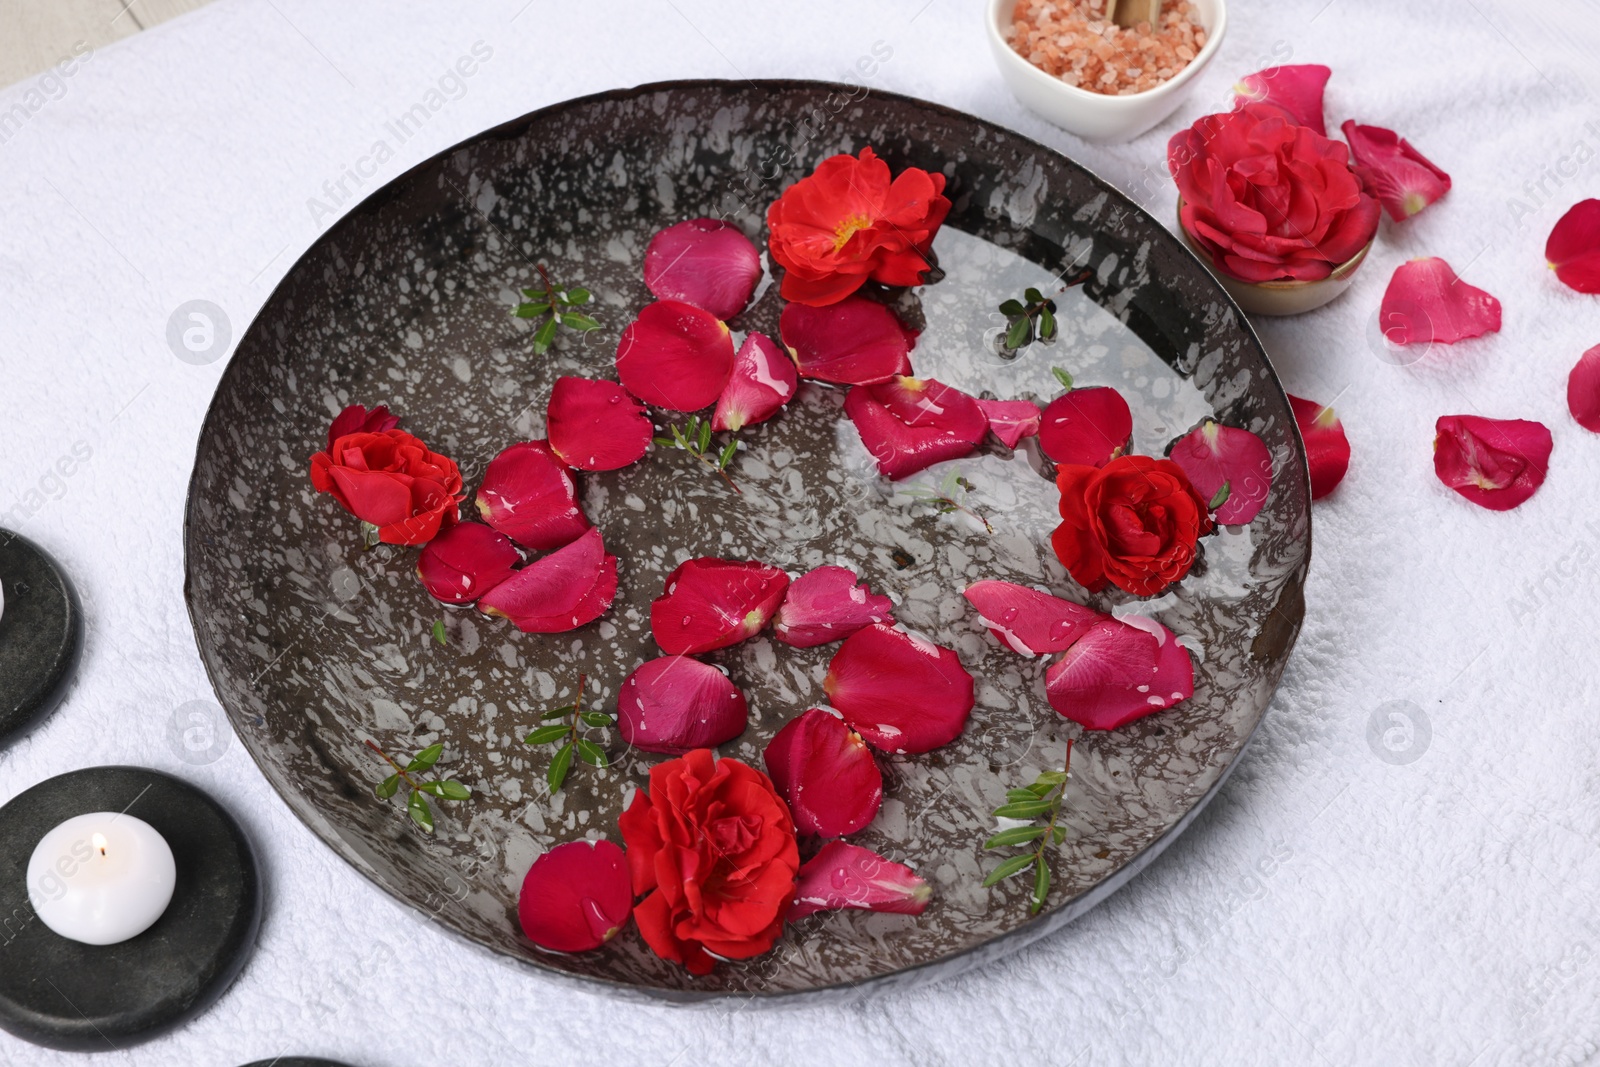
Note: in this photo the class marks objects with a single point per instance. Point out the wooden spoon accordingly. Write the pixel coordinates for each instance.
(1127, 13)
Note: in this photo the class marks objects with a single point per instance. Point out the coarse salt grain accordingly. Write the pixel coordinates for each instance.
(1072, 41)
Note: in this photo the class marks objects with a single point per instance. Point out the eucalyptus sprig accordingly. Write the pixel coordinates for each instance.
(950, 496)
(416, 803)
(695, 439)
(568, 734)
(1041, 798)
(555, 306)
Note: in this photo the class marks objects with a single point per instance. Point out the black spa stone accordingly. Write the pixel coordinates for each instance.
(41, 634)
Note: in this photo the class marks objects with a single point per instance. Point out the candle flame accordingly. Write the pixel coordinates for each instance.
(100, 843)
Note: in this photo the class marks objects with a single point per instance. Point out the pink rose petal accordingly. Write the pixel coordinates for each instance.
(713, 603)
(1028, 621)
(1573, 249)
(466, 561)
(675, 356)
(853, 342)
(1426, 302)
(1327, 448)
(910, 424)
(1012, 420)
(1402, 178)
(843, 875)
(1086, 427)
(1213, 455)
(1120, 670)
(576, 896)
(569, 588)
(677, 703)
(1495, 463)
(357, 419)
(900, 692)
(595, 425)
(1583, 390)
(1296, 89)
(826, 774)
(529, 495)
(827, 604)
(704, 262)
(763, 380)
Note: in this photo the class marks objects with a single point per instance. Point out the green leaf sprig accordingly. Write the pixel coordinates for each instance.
(568, 734)
(695, 439)
(1041, 798)
(555, 306)
(1029, 319)
(950, 496)
(417, 797)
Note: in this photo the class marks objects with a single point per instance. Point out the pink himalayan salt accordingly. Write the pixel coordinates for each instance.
(1071, 40)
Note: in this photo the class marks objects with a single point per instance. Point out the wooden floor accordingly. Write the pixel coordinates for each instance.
(34, 34)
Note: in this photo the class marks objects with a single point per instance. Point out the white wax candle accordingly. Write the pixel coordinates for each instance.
(101, 878)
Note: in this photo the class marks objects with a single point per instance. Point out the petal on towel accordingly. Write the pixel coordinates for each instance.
(1427, 302)
(1573, 250)
(1495, 463)
(1403, 179)
(1583, 390)
(1327, 447)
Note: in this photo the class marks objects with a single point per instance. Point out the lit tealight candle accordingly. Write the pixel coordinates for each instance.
(101, 878)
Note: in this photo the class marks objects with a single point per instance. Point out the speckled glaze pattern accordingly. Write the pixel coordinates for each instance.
(314, 644)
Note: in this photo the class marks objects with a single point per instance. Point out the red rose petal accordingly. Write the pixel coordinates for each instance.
(900, 692)
(357, 419)
(1213, 455)
(1028, 621)
(1495, 463)
(713, 603)
(826, 774)
(1426, 302)
(1327, 448)
(528, 495)
(1088, 427)
(1583, 390)
(1402, 179)
(763, 380)
(466, 561)
(569, 588)
(853, 342)
(676, 703)
(843, 875)
(1121, 670)
(827, 604)
(1297, 89)
(1011, 420)
(1573, 249)
(704, 262)
(595, 425)
(675, 356)
(576, 896)
(910, 424)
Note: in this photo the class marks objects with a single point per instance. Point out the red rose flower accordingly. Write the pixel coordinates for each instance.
(848, 222)
(712, 847)
(390, 479)
(1268, 199)
(1132, 523)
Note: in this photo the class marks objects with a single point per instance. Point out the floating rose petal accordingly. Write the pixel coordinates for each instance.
(1213, 456)
(1495, 463)
(1583, 390)
(675, 356)
(595, 425)
(357, 419)
(1573, 250)
(827, 604)
(910, 424)
(704, 262)
(1011, 420)
(853, 342)
(528, 495)
(843, 875)
(576, 896)
(763, 380)
(677, 703)
(713, 603)
(1327, 448)
(1296, 89)
(1426, 302)
(1121, 670)
(465, 562)
(1086, 427)
(826, 774)
(569, 588)
(1402, 179)
(901, 692)
(1028, 621)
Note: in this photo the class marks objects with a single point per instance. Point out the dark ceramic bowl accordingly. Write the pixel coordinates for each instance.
(315, 645)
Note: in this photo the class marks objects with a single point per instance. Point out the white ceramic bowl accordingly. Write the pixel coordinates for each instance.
(1095, 116)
